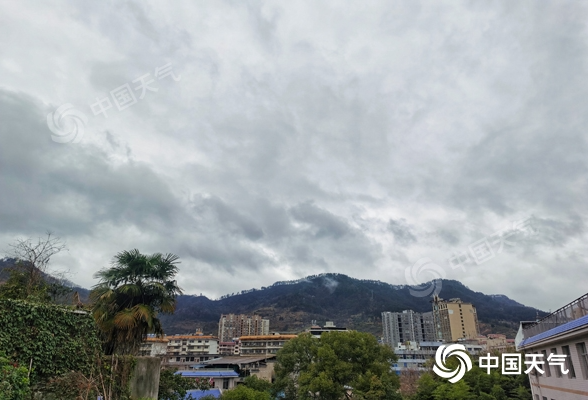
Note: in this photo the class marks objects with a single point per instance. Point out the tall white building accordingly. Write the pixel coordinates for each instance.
(231, 326)
(407, 326)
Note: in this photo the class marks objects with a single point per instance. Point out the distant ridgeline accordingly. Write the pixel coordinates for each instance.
(7, 264)
(352, 303)
(309, 278)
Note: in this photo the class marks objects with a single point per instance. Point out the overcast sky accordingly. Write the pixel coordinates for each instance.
(279, 140)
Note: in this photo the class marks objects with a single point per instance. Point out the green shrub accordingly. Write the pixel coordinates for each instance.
(14, 381)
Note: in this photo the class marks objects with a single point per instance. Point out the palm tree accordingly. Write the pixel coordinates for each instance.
(130, 295)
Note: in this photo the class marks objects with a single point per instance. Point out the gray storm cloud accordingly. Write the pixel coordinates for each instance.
(296, 144)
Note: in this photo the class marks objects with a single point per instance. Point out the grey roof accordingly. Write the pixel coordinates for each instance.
(237, 360)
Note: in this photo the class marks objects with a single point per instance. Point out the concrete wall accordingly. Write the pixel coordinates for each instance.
(145, 380)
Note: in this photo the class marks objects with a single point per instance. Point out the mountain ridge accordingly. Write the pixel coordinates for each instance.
(354, 303)
(350, 302)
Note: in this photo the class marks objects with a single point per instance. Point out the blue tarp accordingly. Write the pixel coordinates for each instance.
(198, 394)
(204, 373)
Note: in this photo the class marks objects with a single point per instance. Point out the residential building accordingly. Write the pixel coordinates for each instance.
(496, 342)
(407, 326)
(413, 356)
(154, 347)
(563, 332)
(454, 320)
(260, 366)
(183, 351)
(316, 331)
(231, 326)
(219, 378)
(229, 348)
(263, 344)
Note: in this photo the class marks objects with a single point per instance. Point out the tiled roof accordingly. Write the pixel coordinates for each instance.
(203, 373)
(157, 340)
(199, 337)
(198, 394)
(268, 337)
(577, 323)
(238, 360)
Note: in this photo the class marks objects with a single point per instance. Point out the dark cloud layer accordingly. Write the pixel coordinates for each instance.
(295, 144)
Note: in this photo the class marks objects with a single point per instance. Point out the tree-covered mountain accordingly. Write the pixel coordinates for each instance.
(7, 264)
(353, 303)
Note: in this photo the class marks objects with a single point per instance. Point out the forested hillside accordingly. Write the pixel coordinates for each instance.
(356, 304)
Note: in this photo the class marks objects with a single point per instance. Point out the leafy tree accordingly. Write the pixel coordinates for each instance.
(14, 381)
(261, 385)
(172, 386)
(338, 365)
(476, 384)
(242, 392)
(453, 391)
(131, 293)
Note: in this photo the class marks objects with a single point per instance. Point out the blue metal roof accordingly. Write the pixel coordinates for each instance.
(556, 331)
(198, 394)
(203, 373)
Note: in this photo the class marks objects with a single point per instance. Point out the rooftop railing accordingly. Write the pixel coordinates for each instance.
(570, 312)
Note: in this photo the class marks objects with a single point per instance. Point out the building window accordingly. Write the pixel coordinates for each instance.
(557, 369)
(569, 362)
(581, 348)
(546, 365)
(225, 383)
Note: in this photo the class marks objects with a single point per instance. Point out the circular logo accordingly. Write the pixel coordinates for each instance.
(424, 270)
(67, 124)
(445, 351)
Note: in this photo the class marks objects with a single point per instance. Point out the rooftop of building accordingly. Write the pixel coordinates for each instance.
(562, 316)
(199, 337)
(569, 327)
(238, 360)
(208, 373)
(268, 337)
(156, 340)
(198, 394)
(496, 336)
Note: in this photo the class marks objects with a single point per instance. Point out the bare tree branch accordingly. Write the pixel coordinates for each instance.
(34, 257)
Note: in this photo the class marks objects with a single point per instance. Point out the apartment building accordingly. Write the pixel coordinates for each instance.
(231, 326)
(183, 351)
(563, 332)
(496, 342)
(229, 348)
(153, 347)
(454, 319)
(407, 326)
(263, 344)
(316, 331)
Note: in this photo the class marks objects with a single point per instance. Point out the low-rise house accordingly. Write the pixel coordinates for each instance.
(219, 378)
(229, 348)
(260, 366)
(316, 331)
